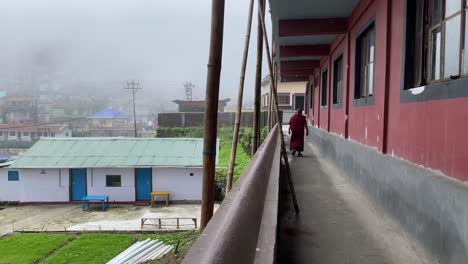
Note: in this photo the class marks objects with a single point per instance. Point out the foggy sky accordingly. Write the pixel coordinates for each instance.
(106, 42)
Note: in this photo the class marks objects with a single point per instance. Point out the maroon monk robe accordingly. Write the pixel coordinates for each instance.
(297, 125)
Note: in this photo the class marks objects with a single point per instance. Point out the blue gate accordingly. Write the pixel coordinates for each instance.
(143, 184)
(78, 184)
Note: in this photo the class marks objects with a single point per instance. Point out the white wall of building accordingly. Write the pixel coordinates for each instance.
(53, 186)
(96, 181)
(291, 88)
(178, 182)
(9, 190)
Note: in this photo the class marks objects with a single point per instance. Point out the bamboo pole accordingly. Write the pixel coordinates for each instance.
(235, 137)
(270, 105)
(211, 111)
(275, 95)
(258, 86)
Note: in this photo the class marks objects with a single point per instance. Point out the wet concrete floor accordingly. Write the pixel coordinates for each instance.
(337, 223)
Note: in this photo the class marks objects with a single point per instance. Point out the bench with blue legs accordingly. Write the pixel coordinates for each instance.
(85, 201)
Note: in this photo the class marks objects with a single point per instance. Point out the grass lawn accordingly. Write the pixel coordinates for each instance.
(85, 248)
(242, 159)
(29, 248)
(92, 248)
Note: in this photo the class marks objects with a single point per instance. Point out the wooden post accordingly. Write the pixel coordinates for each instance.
(211, 111)
(277, 115)
(235, 136)
(256, 141)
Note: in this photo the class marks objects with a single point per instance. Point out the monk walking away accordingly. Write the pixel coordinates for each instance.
(297, 125)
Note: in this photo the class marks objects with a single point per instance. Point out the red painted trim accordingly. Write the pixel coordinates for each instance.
(304, 51)
(297, 72)
(359, 12)
(329, 93)
(336, 44)
(295, 65)
(348, 77)
(302, 78)
(306, 27)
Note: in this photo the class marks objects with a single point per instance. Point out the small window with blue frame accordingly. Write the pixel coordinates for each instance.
(13, 176)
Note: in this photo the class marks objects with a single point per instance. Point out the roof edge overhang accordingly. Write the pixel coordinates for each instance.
(304, 31)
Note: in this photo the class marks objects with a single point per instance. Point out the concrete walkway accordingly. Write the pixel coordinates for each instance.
(337, 223)
(72, 218)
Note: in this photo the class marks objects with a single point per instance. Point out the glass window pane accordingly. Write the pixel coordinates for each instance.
(363, 82)
(435, 53)
(452, 47)
(452, 7)
(436, 8)
(372, 45)
(371, 78)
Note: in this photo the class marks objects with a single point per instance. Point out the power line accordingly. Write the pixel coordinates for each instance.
(134, 86)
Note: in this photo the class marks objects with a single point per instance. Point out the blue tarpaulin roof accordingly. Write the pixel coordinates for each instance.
(109, 113)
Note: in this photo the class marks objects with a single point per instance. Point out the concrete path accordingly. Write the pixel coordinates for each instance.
(337, 223)
(72, 218)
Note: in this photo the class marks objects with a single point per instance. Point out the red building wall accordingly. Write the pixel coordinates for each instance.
(323, 110)
(431, 133)
(338, 114)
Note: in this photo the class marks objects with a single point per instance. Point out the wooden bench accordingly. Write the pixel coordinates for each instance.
(154, 194)
(159, 221)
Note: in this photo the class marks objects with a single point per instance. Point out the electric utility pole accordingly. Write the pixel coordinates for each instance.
(134, 86)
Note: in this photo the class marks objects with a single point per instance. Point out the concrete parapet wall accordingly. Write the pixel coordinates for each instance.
(430, 206)
(226, 119)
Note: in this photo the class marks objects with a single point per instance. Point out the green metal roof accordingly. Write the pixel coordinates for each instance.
(113, 153)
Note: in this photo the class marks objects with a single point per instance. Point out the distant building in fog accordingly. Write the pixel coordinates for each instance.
(32, 133)
(188, 106)
(18, 109)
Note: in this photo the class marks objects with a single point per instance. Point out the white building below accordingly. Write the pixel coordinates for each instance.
(125, 169)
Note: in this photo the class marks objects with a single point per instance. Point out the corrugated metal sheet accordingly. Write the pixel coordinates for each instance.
(141, 252)
(112, 152)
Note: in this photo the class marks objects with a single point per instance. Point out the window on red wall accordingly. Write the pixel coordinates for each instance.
(338, 80)
(365, 55)
(324, 88)
(436, 42)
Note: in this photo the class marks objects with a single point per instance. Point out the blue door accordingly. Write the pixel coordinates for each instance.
(78, 184)
(143, 184)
